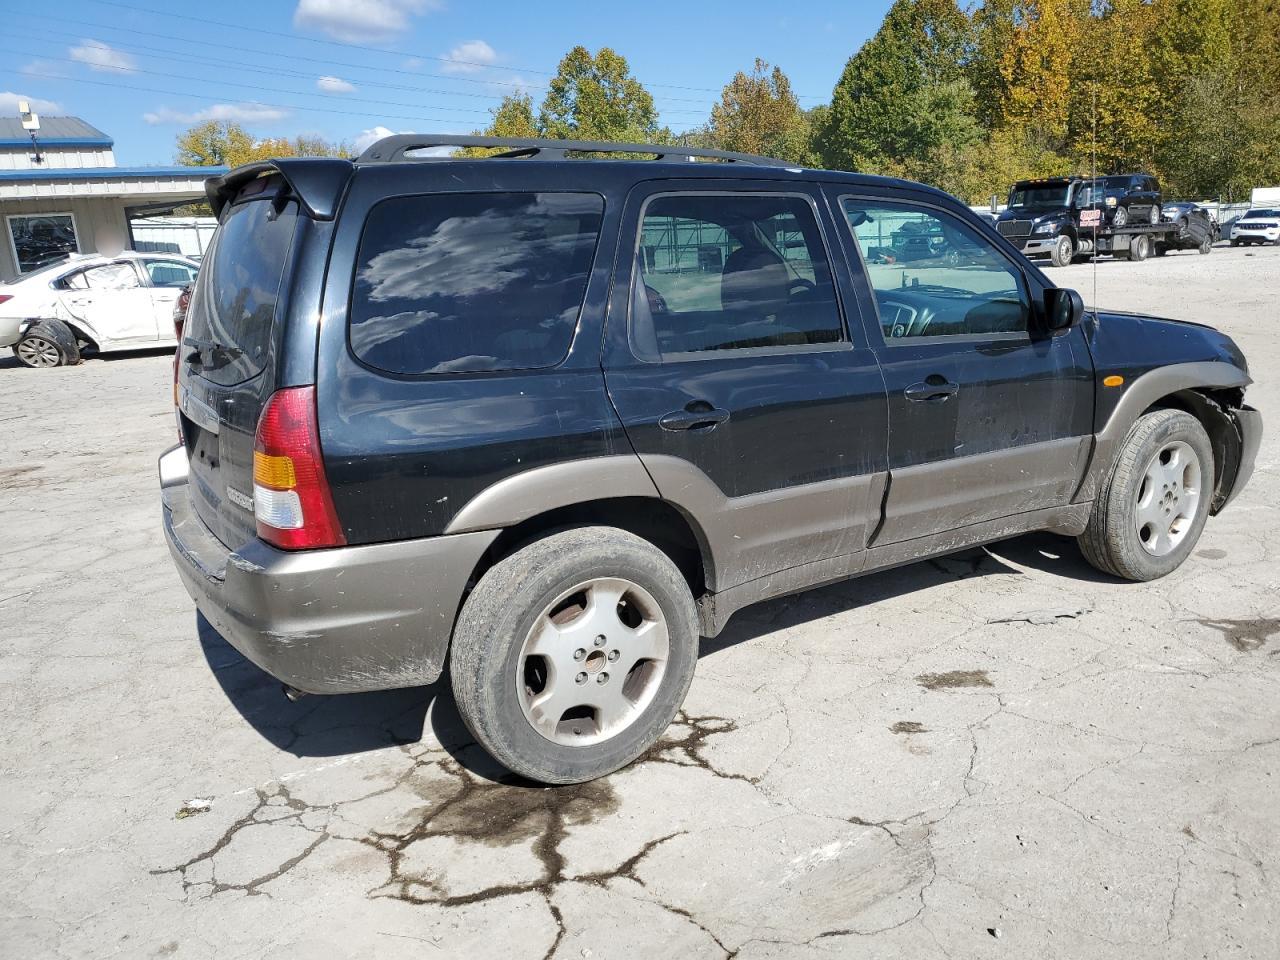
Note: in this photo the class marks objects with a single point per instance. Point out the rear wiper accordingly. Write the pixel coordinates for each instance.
(220, 354)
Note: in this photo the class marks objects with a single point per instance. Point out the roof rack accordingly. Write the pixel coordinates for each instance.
(393, 149)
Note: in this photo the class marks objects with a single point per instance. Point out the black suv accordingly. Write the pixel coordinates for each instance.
(550, 417)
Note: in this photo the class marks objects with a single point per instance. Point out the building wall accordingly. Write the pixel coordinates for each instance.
(12, 158)
(101, 225)
(186, 235)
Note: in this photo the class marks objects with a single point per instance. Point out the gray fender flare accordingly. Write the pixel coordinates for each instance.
(1140, 394)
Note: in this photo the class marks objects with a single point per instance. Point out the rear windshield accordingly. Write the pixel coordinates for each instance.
(468, 282)
(234, 303)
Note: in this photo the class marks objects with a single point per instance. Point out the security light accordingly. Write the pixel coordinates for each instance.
(30, 119)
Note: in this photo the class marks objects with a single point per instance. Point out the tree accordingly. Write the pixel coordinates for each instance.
(1036, 69)
(903, 97)
(513, 117)
(759, 114)
(222, 143)
(596, 98)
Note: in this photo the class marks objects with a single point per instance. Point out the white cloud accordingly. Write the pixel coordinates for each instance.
(469, 57)
(9, 104)
(360, 21)
(98, 56)
(334, 85)
(234, 112)
(40, 68)
(367, 138)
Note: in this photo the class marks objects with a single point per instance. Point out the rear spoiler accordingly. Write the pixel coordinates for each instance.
(317, 182)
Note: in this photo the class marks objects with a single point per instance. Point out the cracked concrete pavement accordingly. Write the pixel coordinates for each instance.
(873, 769)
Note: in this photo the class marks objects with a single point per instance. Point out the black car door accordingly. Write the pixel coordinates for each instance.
(986, 420)
(731, 366)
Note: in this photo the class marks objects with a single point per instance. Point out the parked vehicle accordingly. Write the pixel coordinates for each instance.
(549, 420)
(1256, 226)
(50, 315)
(1065, 218)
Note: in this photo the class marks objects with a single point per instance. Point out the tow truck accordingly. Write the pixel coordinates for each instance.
(1070, 218)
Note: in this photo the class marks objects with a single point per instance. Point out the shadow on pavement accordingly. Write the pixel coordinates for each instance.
(328, 726)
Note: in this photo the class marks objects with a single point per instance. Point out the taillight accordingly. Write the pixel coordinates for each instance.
(5, 297)
(291, 498)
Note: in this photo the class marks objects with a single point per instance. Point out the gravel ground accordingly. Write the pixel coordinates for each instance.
(872, 769)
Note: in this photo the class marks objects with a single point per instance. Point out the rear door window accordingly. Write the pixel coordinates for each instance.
(472, 282)
(233, 307)
(731, 272)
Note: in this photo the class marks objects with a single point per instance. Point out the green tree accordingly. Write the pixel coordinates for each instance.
(513, 117)
(216, 142)
(903, 98)
(597, 98)
(759, 114)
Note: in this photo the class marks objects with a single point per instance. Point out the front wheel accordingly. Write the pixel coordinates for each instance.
(572, 655)
(1151, 509)
(1062, 252)
(47, 343)
(1121, 217)
(1206, 246)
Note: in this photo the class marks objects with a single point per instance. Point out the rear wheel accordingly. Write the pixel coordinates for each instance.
(1154, 216)
(572, 655)
(1151, 509)
(48, 343)
(1206, 246)
(1140, 248)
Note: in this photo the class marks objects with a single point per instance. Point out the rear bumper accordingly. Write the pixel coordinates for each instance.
(10, 330)
(371, 617)
(1249, 423)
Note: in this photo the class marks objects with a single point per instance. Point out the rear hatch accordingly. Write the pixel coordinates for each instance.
(228, 355)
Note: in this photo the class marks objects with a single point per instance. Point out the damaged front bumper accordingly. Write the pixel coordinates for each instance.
(371, 617)
(1248, 423)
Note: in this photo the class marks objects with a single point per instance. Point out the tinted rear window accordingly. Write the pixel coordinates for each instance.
(454, 283)
(234, 303)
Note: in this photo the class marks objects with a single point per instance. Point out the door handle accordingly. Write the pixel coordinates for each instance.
(698, 415)
(935, 388)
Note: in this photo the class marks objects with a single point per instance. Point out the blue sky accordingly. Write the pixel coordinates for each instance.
(143, 71)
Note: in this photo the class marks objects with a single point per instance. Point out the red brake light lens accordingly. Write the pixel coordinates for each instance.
(291, 497)
(5, 297)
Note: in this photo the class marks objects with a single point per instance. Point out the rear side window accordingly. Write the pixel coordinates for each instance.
(462, 283)
(731, 272)
(233, 306)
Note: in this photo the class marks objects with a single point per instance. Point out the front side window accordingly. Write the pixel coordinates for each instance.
(934, 276)
(471, 282)
(731, 272)
(41, 239)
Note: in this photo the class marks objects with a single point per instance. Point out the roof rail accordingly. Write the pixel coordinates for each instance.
(392, 149)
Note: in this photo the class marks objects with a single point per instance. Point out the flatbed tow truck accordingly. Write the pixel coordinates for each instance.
(1067, 219)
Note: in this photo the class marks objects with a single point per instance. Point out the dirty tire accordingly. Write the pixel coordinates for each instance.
(1110, 542)
(47, 343)
(502, 610)
(1206, 246)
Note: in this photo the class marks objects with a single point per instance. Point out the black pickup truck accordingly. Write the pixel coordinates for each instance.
(1065, 218)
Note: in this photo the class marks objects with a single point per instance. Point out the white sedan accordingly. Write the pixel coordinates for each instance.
(93, 302)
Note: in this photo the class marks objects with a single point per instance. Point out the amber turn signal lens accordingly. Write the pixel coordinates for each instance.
(1113, 381)
(274, 472)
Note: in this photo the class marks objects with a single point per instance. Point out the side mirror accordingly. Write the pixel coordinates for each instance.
(1063, 309)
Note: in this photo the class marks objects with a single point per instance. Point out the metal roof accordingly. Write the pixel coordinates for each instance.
(54, 131)
(112, 173)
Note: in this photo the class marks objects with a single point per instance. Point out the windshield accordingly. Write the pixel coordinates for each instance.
(1261, 214)
(1054, 195)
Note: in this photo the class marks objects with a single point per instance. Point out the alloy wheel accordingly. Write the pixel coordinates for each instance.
(36, 351)
(1168, 498)
(592, 661)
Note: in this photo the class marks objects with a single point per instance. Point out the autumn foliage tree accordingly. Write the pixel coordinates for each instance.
(759, 114)
(223, 143)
